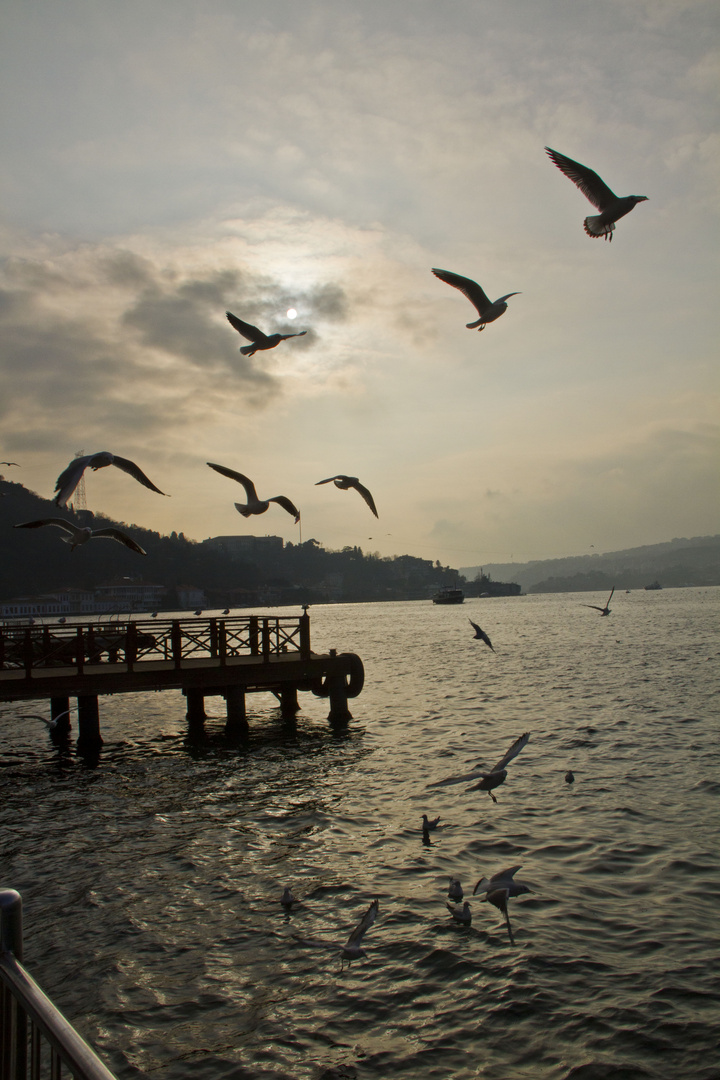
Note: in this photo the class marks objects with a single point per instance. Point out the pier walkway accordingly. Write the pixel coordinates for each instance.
(201, 656)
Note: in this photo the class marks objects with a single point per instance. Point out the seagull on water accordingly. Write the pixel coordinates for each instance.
(346, 482)
(569, 777)
(259, 340)
(255, 505)
(351, 950)
(499, 889)
(460, 914)
(287, 899)
(68, 480)
(455, 889)
(488, 310)
(492, 778)
(593, 188)
(429, 825)
(603, 610)
(481, 634)
(77, 536)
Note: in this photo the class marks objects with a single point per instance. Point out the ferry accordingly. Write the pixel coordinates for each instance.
(448, 595)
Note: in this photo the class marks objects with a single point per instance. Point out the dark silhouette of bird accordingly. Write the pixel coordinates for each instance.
(603, 610)
(351, 950)
(455, 890)
(77, 536)
(430, 825)
(481, 634)
(460, 914)
(10, 463)
(488, 310)
(611, 207)
(491, 778)
(499, 889)
(70, 478)
(569, 777)
(259, 340)
(346, 482)
(287, 899)
(255, 505)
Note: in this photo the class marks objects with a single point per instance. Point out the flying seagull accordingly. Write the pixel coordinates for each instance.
(460, 914)
(255, 505)
(351, 950)
(593, 188)
(603, 610)
(499, 889)
(488, 310)
(68, 480)
(51, 725)
(10, 463)
(77, 536)
(345, 482)
(488, 779)
(259, 340)
(481, 634)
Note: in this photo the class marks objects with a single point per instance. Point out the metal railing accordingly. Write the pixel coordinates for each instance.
(36, 1040)
(75, 645)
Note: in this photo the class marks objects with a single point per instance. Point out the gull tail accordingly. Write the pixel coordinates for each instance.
(595, 227)
(248, 350)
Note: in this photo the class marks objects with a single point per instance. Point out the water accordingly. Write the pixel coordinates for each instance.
(151, 884)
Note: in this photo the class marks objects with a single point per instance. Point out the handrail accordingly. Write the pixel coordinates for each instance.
(67, 1046)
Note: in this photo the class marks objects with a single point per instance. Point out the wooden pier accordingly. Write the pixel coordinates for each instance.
(202, 656)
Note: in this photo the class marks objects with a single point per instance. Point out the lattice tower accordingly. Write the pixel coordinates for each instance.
(79, 502)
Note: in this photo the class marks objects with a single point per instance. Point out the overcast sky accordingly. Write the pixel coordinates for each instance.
(166, 160)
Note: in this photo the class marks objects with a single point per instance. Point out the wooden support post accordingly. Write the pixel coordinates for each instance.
(89, 738)
(288, 702)
(58, 706)
(339, 713)
(305, 634)
(236, 723)
(195, 712)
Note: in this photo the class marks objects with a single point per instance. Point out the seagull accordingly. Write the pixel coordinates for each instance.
(429, 825)
(259, 340)
(79, 536)
(481, 634)
(488, 779)
(499, 889)
(486, 309)
(345, 482)
(603, 610)
(10, 463)
(455, 889)
(226, 611)
(70, 478)
(460, 914)
(51, 725)
(287, 899)
(351, 950)
(569, 777)
(593, 188)
(255, 505)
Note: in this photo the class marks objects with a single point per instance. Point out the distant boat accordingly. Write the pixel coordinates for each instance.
(653, 585)
(448, 595)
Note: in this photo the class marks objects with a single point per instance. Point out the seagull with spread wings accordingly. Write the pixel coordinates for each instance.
(611, 207)
(488, 310)
(259, 340)
(489, 779)
(255, 505)
(346, 482)
(77, 536)
(481, 635)
(499, 889)
(603, 610)
(352, 949)
(68, 480)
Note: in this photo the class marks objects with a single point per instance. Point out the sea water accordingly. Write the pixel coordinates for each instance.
(151, 883)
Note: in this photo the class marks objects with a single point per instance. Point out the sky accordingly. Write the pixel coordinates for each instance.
(167, 160)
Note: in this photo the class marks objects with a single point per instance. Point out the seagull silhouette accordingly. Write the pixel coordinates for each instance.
(488, 779)
(460, 914)
(429, 825)
(10, 463)
(345, 482)
(351, 950)
(603, 610)
(481, 634)
(68, 480)
(569, 777)
(455, 889)
(596, 190)
(499, 889)
(255, 505)
(259, 340)
(287, 899)
(77, 536)
(488, 310)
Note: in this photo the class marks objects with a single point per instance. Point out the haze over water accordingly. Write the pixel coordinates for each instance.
(151, 884)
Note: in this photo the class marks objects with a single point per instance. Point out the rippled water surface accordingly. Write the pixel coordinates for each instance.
(151, 883)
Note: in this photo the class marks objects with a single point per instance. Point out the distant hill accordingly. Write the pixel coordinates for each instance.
(677, 563)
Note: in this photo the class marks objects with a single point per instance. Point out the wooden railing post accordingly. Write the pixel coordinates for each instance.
(222, 642)
(305, 634)
(28, 653)
(131, 645)
(213, 638)
(253, 636)
(266, 641)
(80, 650)
(176, 641)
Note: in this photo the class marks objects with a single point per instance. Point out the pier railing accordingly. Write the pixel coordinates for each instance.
(134, 642)
(36, 1040)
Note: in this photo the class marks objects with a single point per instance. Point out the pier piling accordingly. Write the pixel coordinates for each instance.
(89, 737)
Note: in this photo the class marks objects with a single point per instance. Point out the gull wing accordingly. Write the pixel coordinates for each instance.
(247, 484)
(69, 479)
(364, 925)
(366, 496)
(467, 287)
(282, 500)
(136, 472)
(610, 596)
(474, 775)
(329, 480)
(592, 187)
(250, 332)
(512, 752)
(121, 537)
(67, 526)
